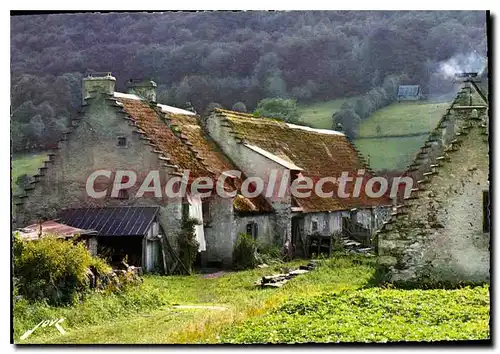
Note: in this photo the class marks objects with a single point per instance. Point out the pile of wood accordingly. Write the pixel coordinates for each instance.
(278, 280)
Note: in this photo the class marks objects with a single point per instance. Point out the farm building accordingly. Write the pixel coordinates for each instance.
(259, 146)
(409, 93)
(441, 231)
(131, 131)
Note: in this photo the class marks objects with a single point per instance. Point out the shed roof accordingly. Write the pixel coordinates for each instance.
(408, 90)
(52, 228)
(111, 221)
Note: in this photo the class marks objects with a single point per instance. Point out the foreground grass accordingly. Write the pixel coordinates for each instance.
(319, 114)
(336, 302)
(115, 321)
(373, 315)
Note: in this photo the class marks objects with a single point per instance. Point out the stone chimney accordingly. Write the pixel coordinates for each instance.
(145, 89)
(98, 83)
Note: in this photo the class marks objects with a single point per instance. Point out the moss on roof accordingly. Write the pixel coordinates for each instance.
(187, 146)
(319, 154)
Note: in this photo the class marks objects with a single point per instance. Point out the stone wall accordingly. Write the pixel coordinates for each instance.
(437, 234)
(252, 164)
(265, 225)
(92, 145)
(220, 235)
(328, 223)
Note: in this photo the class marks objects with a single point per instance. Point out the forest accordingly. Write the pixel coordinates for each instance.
(234, 59)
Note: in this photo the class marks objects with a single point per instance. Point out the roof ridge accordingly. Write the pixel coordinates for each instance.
(183, 138)
(428, 175)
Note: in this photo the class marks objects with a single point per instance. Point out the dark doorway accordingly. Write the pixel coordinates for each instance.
(116, 248)
(298, 235)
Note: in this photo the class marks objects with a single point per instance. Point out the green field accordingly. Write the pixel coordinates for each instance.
(403, 118)
(395, 119)
(26, 164)
(319, 114)
(339, 301)
(390, 153)
(398, 119)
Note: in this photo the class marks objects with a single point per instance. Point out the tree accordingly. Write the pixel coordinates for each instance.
(239, 107)
(349, 121)
(285, 109)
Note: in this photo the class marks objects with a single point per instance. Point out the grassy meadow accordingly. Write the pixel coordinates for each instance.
(339, 301)
(319, 114)
(404, 118)
(396, 119)
(26, 164)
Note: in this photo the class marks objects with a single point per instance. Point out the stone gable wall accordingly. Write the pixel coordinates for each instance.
(437, 234)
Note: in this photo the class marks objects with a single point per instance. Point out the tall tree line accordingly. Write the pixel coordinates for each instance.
(224, 57)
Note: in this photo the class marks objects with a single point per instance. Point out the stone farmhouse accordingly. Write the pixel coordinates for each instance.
(131, 131)
(440, 233)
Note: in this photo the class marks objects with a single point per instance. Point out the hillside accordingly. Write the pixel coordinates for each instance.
(26, 164)
(227, 57)
(403, 118)
(319, 114)
(396, 153)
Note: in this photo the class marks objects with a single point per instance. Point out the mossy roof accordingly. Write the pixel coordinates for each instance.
(181, 139)
(320, 154)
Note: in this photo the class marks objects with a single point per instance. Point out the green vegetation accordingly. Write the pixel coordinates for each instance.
(134, 318)
(285, 109)
(372, 315)
(319, 114)
(188, 245)
(404, 118)
(357, 109)
(245, 252)
(390, 153)
(395, 153)
(54, 270)
(26, 164)
(98, 307)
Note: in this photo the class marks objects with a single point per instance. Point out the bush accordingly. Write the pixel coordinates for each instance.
(239, 107)
(284, 109)
(188, 246)
(268, 253)
(349, 121)
(54, 270)
(245, 252)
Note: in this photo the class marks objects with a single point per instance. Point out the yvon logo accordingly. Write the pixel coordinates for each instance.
(46, 323)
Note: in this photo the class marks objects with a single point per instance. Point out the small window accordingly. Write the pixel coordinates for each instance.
(314, 225)
(252, 229)
(185, 211)
(122, 141)
(123, 193)
(326, 225)
(205, 212)
(486, 211)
